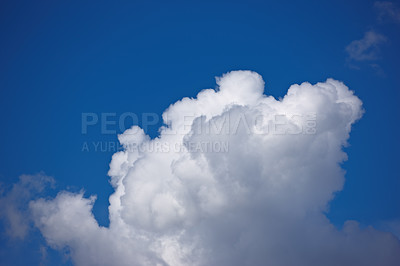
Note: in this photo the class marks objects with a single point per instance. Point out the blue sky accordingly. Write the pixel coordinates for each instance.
(62, 59)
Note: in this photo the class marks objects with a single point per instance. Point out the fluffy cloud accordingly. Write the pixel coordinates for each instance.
(261, 201)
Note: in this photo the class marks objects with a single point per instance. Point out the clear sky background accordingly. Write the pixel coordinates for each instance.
(59, 59)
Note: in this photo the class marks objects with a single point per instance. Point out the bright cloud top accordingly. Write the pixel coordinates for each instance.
(261, 202)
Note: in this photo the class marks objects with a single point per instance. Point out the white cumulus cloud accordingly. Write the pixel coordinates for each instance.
(261, 201)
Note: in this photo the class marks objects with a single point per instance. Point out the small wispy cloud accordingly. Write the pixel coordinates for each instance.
(387, 12)
(367, 48)
(13, 203)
